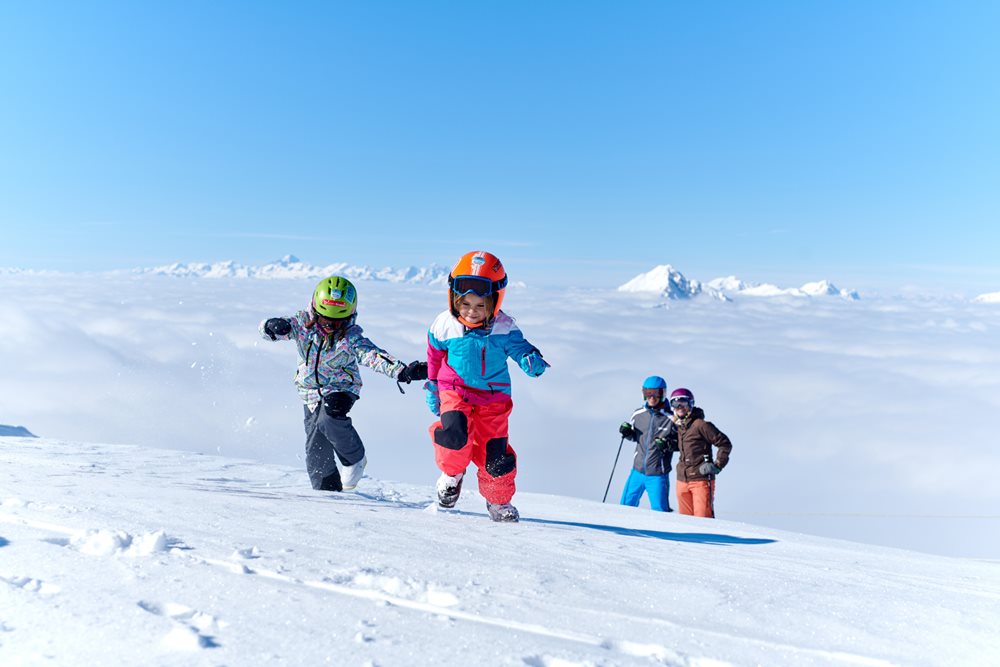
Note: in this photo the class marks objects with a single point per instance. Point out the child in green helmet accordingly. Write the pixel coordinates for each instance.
(331, 345)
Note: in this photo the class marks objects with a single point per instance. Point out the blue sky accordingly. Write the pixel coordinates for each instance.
(855, 141)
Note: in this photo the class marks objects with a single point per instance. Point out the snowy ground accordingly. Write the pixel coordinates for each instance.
(121, 555)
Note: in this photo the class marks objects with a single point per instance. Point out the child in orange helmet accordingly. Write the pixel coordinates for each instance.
(469, 386)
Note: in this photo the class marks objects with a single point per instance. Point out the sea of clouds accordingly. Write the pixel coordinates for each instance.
(864, 419)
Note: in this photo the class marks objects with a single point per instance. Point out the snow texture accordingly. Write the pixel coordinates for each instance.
(129, 555)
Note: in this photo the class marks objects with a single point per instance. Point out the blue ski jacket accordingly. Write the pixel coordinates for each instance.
(461, 358)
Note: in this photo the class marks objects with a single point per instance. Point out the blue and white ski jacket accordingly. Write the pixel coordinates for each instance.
(461, 358)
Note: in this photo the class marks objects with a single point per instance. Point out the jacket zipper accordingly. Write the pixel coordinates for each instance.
(649, 439)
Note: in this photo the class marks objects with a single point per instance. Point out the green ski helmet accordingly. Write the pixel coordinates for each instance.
(335, 297)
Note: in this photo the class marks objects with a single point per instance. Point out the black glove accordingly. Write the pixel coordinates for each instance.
(661, 443)
(415, 371)
(709, 468)
(627, 431)
(277, 326)
(338, 404)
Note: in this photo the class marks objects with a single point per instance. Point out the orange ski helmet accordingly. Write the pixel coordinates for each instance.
(480, 273)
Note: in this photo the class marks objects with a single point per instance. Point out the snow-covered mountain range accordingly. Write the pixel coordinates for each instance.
(663, 279)
(290, 266)
(672, 284)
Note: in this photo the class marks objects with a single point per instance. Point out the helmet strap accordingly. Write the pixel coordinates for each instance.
(485, 324)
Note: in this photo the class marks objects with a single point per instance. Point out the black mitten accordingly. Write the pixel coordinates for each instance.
(415, 371)
(277, 326)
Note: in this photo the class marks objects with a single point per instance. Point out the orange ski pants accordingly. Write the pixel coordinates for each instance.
(474, 433)
(697, 498)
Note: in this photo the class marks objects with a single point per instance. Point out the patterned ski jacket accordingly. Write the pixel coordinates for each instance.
(649, 424)
(474, 361)
(695, 438)
(328, 365)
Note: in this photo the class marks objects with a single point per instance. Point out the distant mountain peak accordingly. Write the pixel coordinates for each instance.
(672, 284)
(667, 281)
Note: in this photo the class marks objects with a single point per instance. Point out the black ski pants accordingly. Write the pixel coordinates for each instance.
(330, 433)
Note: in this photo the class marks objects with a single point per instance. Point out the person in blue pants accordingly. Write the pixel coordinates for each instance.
(651, 429)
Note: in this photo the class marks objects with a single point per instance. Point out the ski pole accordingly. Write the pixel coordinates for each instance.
(613, 468)
(711, 488)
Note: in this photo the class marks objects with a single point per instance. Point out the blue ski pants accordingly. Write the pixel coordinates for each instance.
(657, 486)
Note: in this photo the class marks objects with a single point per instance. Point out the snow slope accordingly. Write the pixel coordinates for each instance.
(122, 555)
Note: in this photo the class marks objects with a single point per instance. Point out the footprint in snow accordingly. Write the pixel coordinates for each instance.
(192, 629)
(245, 553)
(31, 585)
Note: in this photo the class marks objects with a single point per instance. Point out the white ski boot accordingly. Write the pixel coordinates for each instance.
(353, 474)
(506, 512)
(449, 489)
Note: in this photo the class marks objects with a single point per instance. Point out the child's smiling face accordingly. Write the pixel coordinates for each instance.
(472, 308)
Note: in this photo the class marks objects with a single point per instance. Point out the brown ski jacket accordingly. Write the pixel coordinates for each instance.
(695, 438)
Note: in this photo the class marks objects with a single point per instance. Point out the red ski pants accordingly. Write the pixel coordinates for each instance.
(476, 433)
(697, 498)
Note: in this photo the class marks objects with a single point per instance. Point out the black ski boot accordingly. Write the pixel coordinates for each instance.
(506, 512)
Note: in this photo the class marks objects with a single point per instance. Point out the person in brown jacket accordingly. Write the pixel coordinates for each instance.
(696, 470)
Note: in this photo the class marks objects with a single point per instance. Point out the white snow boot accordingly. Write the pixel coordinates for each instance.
(506, 512)
(449, 489)
(353, 474)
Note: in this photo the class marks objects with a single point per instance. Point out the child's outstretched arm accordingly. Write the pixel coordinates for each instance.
(371, 355)
(527, 356)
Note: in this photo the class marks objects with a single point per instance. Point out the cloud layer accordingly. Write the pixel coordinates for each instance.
(844, 414)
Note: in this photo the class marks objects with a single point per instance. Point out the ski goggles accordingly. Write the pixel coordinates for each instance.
(679, 401)
(652, 393)
(483, 287)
